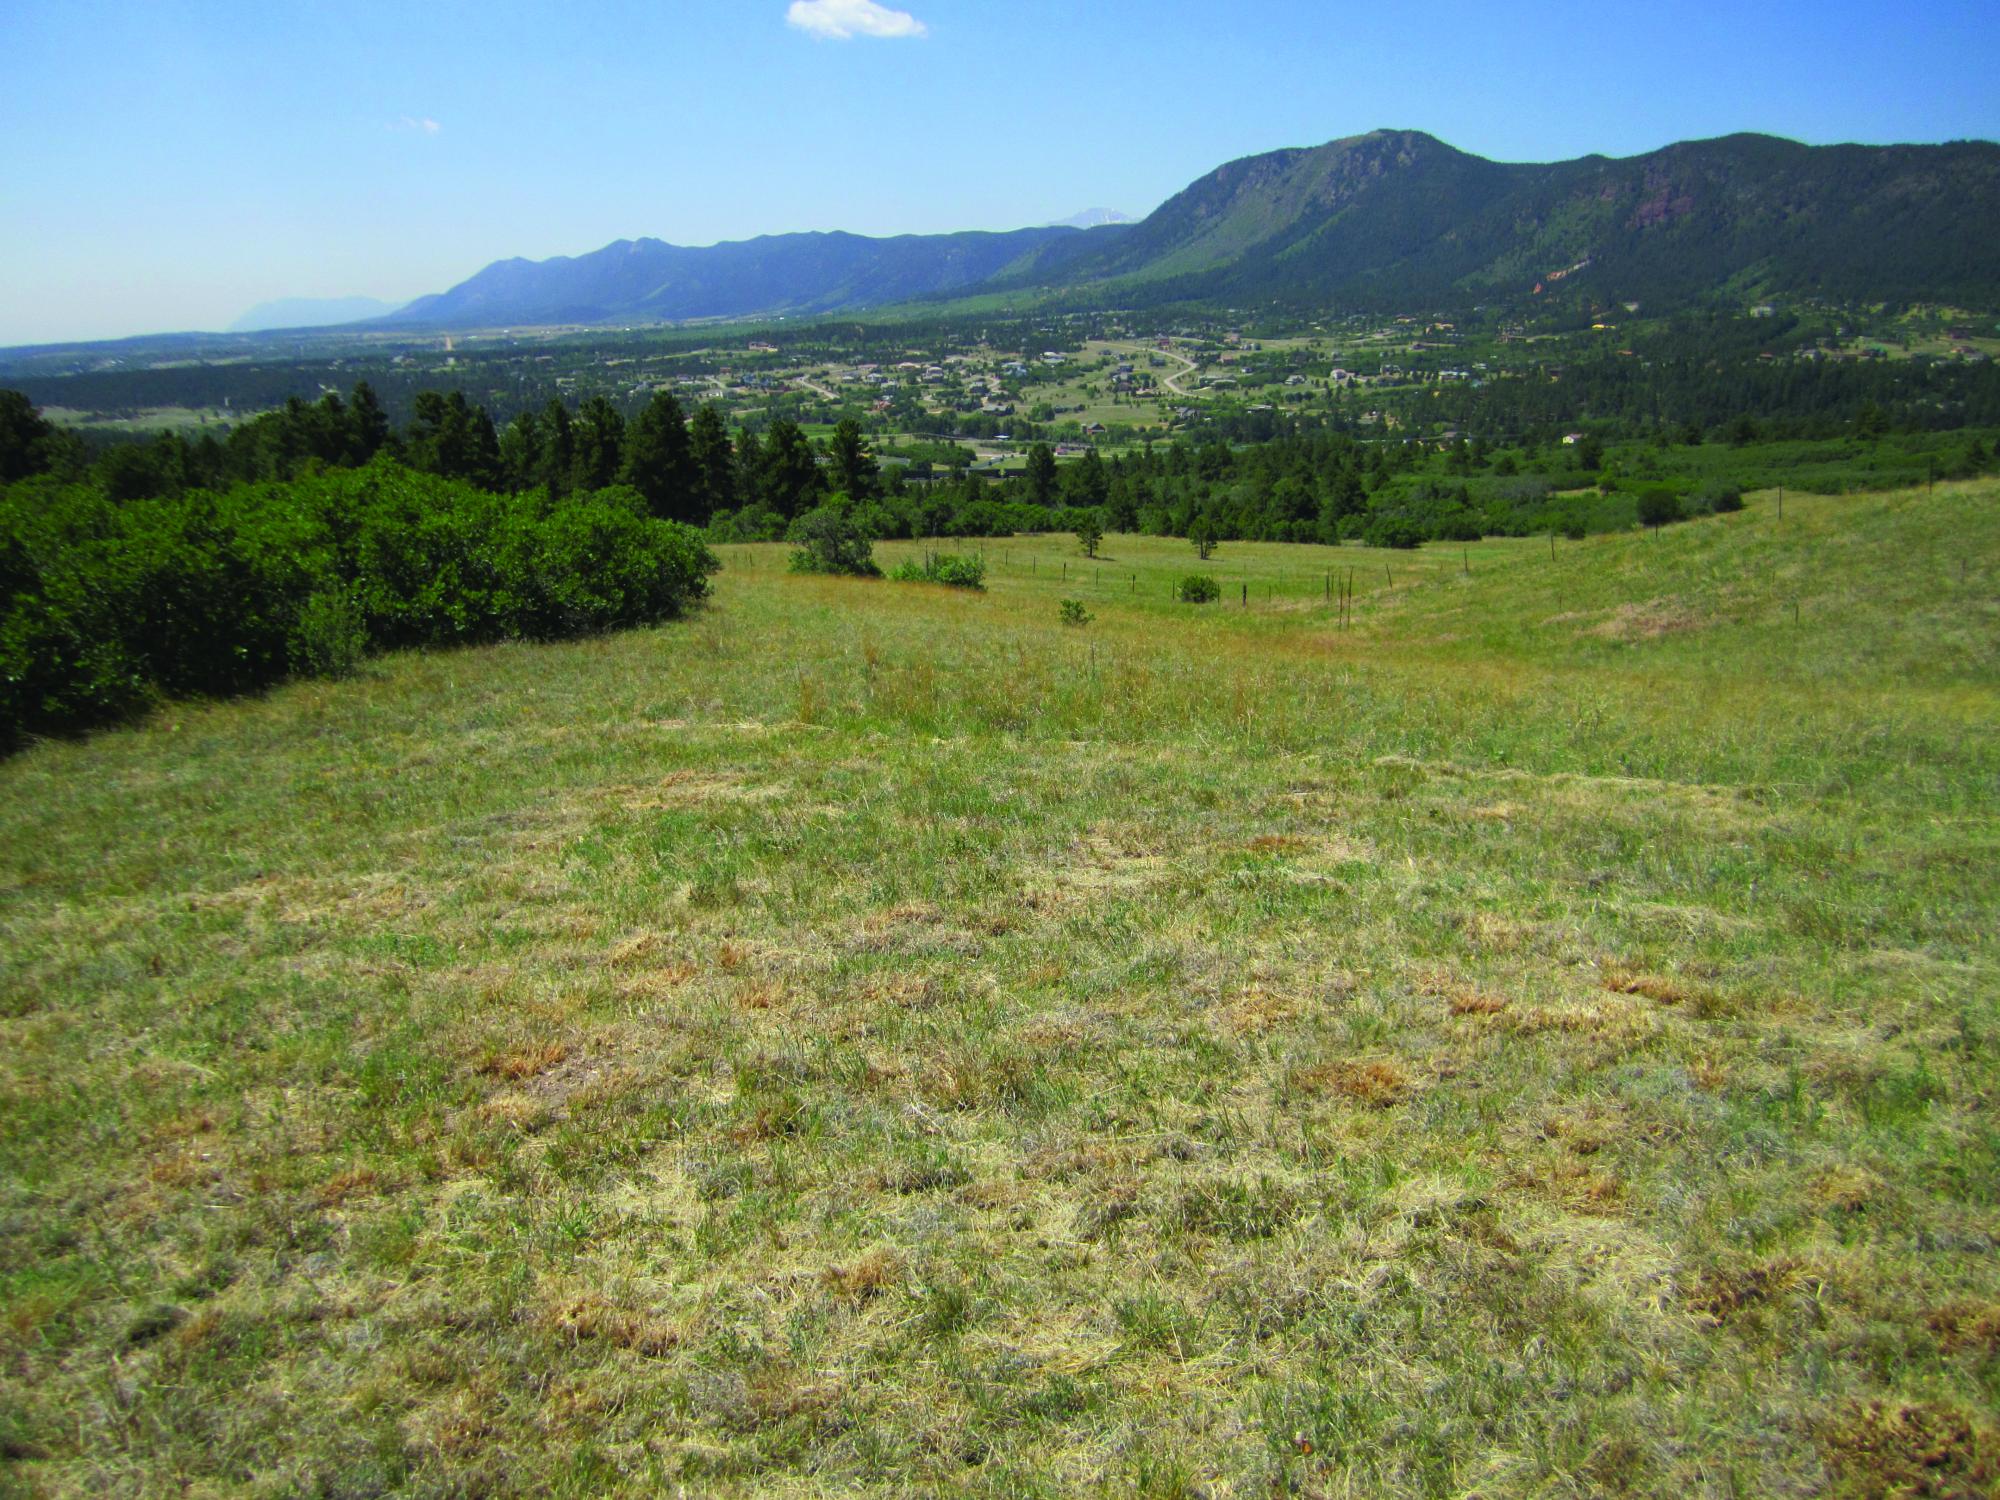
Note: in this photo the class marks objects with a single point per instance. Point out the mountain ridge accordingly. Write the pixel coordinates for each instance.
(1386, 219)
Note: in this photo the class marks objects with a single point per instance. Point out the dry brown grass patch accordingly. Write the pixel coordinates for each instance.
(1848, 1189)
(1584, 1134)
(1378, 1084)
(1275, 843)
(1651, 986)
(1576, 1186)
(690, 788)
(1257, 1010)
(1966, 1325)
(516, 1110)
(359, 1182)
(1647, 621)
(183, 1168)
(1909, 1448)
(1724, 1292)
(766, 996)
(871, 1275)
(1066, 1163)
(181, 1127)
(904, 991)
(910, 914)
(1471, 1002)
(1615, 1022)
(526, 1062)
(590, 1316)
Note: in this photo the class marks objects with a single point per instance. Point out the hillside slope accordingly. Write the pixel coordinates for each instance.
(875, 1038)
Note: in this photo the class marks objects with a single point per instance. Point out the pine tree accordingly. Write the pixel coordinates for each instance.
(600, 445)
(659, 463)
(367, 425)
(792, 482)
(1041, 474)
(855, 472)
(521, 452)
(557, 451)
(749, 468)
(714, 465)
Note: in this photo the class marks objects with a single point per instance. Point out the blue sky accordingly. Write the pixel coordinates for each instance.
(166, 164)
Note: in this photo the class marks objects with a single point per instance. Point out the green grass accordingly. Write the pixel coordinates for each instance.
(874, 1038)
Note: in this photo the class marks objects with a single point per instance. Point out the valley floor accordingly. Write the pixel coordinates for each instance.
(1540, 1039)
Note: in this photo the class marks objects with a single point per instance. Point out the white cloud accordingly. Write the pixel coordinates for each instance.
(426, 125)
(845, 19)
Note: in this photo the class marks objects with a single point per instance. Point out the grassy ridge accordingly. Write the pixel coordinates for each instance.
(872, 1038)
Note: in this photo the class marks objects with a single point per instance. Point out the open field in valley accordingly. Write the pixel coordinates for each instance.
(872, 1038)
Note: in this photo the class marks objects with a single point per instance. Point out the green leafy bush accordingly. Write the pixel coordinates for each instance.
(1659, 507)
(106, 606)
(831, 539)
(1393, 530)
(1073, 612)
(1198, 588)
(944, 567)
(329, 638)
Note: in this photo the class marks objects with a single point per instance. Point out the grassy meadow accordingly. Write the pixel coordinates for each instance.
(1535, 1036)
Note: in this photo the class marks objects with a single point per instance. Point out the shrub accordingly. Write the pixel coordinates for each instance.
(944, 567)
(1393, 531)
(1659, 507)
(1459, 526)
(831, 540)
(105, 607)
(1073, 612)
(753, 523)
(1720, 499)
(1198, 588)
(329, 638)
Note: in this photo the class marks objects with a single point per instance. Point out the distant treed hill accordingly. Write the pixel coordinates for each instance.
(1392, 220)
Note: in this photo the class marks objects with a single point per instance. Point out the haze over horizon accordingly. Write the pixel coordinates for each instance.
(174, 164)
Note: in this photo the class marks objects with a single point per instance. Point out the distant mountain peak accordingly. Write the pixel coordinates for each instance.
(1094, 218)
